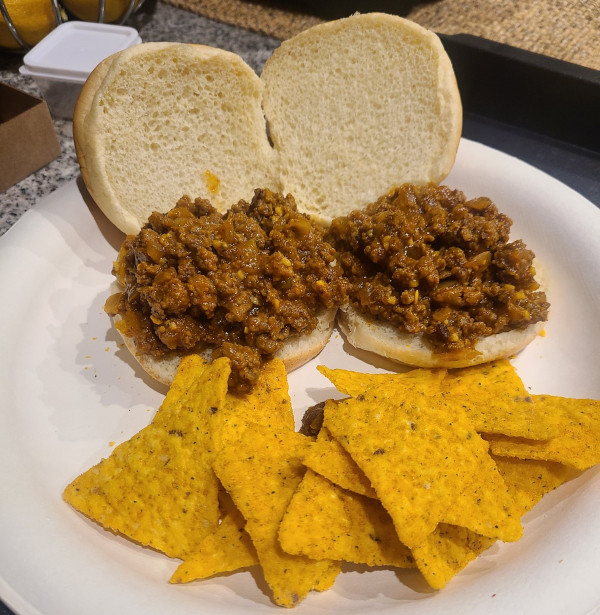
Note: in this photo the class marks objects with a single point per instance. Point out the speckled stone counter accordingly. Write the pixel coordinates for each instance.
(155, 22)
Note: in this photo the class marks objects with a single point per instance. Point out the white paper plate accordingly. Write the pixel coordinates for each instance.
(69, 391)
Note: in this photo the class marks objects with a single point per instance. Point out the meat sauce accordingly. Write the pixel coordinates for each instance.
(431, 262)
(424, 259)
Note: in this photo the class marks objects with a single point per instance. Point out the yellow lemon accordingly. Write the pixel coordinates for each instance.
(88, 9)
(33, 19)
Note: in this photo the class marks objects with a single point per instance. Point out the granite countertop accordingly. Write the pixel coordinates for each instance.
(155, 22)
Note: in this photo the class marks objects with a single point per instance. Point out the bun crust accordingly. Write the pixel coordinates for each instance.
(295, 351)
(409, 349)
(82, 108)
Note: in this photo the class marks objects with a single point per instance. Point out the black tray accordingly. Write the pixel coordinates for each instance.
(539, 109)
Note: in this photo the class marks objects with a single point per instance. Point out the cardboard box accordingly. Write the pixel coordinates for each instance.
(28, 140)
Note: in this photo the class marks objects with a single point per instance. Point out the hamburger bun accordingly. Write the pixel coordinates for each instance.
(341, 113)
(387, 341)
(160, 120)
(357, 106)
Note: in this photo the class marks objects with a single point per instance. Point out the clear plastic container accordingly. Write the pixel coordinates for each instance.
(62, 61)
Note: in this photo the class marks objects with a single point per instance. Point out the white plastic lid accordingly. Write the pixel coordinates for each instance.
(73, 49)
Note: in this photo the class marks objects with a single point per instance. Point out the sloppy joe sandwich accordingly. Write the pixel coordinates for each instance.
(435, 281)
(343, 113)
(256, 282)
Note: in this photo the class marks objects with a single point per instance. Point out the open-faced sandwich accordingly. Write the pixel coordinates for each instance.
(256, 282)
(435, 281)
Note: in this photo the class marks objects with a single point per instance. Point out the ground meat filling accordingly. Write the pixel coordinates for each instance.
(241, 282)
(431, 262)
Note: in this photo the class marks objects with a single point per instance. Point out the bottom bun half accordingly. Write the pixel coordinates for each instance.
(412, 349)
(296, 351)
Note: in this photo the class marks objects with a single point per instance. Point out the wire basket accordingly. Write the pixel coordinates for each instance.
(60, 17)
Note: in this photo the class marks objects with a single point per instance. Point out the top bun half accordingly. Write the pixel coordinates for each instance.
(357, 106)
(160, 120)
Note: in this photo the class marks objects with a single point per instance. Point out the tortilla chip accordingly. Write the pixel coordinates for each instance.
(577, 444)
(228, 548)
(447, 551)
(261, 472)
(328, 458)
(496, 401)
(450, 548)
(485, 505)
(158, 488)
(324, 521)
(420, 455)
(268, 404)
(528, 480)
(377, 435)
(356, 383)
